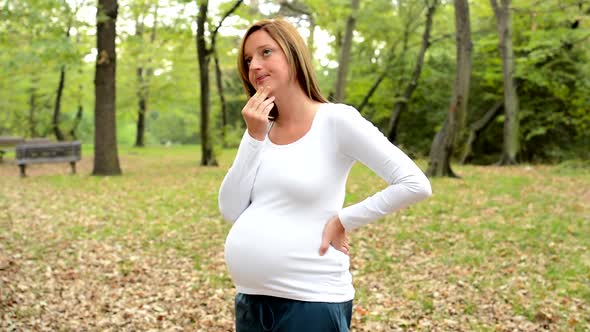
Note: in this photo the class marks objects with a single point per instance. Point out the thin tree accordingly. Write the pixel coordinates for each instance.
(62, 78)
(298, 9)
(144, 74)
(477, 127)
(344, 59)
(204, 56)
(32, 121)
(401, 104)
(106, 159)
(80, 108)
(511, 144)
(57, 106)
(77, 120)
(443, 144)
(390, 61)
(221, 93)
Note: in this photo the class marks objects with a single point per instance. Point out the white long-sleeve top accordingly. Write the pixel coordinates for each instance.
(279, 198)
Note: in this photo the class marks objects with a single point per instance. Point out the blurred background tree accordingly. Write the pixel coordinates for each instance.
(158, 98)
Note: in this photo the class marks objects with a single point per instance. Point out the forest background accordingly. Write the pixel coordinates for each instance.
(490, 83)
(47, 70)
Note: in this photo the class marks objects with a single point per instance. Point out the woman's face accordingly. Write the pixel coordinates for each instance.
(266, 62)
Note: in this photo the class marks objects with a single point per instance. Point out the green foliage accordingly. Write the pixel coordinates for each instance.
(551, 75)
(552, 69)
(175, 128)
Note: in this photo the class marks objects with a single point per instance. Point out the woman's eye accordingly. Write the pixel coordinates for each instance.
(247, 62)
(266, 52)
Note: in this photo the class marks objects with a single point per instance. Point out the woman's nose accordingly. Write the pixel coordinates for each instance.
(254, 63)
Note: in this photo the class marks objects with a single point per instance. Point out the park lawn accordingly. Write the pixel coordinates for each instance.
(502, 249)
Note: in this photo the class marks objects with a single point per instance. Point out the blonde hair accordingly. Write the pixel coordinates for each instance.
(298, 58)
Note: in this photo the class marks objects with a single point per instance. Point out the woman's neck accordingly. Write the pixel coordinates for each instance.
(294, 107)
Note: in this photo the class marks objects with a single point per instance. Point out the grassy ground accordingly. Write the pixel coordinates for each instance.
(503, 249)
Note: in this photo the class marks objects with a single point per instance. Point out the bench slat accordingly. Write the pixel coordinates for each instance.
(10, 141)
(39, 153)
(46, 144)
(47, 160)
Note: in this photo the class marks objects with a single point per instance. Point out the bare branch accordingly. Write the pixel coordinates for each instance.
(229, 12)
(292, 7)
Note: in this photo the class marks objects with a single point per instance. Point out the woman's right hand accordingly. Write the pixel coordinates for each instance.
(256, 112)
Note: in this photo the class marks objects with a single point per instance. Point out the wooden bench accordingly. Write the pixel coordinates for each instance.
(48, 152)
(8, 143)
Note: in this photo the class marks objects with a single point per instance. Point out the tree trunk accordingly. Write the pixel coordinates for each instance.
(443, 144)
(207, 156)
(106, 159)
(401, 105)
(141, 91)
(57, 107)
(340, 86)
(77, 121)
(297, 9)
(142, 108)
(80, 110)
(441, 149)
(33, 106)
(511, 144)
(60, 87)
(477, 127)
(143, 81)
(219, 80)
(204, 55)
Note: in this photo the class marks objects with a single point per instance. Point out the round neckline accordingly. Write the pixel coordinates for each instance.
(302, 138)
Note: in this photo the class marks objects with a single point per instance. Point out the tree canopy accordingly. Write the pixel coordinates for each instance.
(550, 42)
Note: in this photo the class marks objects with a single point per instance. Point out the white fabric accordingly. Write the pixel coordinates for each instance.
(279, 198)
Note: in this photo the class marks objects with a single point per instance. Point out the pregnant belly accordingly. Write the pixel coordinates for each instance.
(262, 253)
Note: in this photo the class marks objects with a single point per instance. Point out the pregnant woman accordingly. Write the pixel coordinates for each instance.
(287, 251)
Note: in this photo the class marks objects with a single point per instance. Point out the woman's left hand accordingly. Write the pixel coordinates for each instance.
(334, 234)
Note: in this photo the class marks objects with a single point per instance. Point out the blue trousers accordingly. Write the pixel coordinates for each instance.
(260, 313)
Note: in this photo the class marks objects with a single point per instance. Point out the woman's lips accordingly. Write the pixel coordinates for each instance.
(261, 79)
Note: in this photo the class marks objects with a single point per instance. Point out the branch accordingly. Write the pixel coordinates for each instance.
(293, 8)
(389, 58)
(153, 35)
(452, 35)
(536, 10)
(425, 44)
(495, 7)
(229, 12)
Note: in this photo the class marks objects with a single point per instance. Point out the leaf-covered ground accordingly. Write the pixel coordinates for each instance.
(503, 249)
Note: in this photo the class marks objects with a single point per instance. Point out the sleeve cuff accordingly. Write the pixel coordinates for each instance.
(251, 141)
(347, 220)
